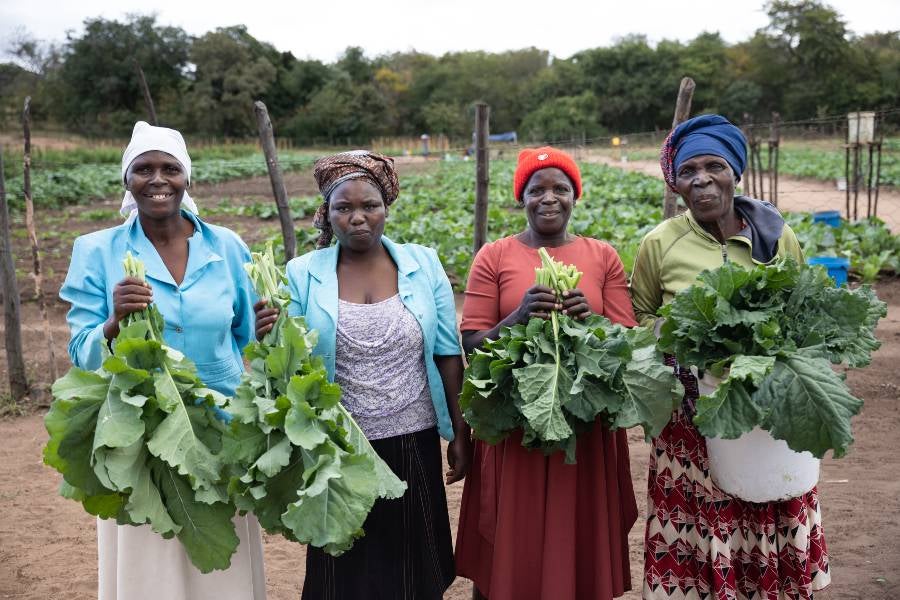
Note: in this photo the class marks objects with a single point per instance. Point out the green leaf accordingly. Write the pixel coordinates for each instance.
(330, 512)
(177, 441)
(389, 486)
(71, 425)
(729, 411)
(277, 455)
(127, 469)
(119, 423)
(543, 388)
(808, 406)
(652, 392)
(207, 532)
(84, 385)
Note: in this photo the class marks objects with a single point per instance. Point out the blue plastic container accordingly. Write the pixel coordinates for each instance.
(829, 217)
(837, 266)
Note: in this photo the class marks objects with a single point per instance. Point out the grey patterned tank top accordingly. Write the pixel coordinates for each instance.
(380, 366)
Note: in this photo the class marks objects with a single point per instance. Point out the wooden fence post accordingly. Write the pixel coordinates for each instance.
(148, 99)
(774, 149)
(15, 362)
(682, 111)
(267, 139)
(482, 174)
(32, 235)
(749, 188)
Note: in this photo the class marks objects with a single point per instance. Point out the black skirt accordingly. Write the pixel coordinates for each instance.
(407, 551)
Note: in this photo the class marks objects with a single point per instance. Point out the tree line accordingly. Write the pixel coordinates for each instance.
(804, 63)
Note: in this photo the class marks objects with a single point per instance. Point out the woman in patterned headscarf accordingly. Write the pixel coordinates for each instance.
(700, 542)
(386, 319)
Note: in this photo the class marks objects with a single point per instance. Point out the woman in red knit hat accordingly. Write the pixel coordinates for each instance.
(532, 527)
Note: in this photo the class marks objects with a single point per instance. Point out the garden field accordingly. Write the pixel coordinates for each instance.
(47, 547)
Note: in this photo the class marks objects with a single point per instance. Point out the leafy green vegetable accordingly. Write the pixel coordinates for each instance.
(138, 440)
(773, 332)
(553, 378)
(299, 460)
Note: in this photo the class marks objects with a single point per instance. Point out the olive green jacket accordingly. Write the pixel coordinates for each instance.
(677, 250)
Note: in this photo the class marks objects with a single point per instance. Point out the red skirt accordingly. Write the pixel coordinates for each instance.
(702, 543)
(534, 528)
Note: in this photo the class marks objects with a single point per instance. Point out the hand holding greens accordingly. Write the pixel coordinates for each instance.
(138, 440)
(298, 459)
(554, 378)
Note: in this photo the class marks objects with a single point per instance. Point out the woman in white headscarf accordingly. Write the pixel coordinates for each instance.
(195, 276)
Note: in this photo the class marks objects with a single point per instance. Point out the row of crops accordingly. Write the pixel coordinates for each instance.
(435, 209)
(57, 183)
(435, 206)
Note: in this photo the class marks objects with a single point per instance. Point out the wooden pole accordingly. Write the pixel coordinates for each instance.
(878, 175)
(482, 174)
(759, 170)
(32, 235)
(871, 146)
(682, 111)
(749, 174)
(148, 99)
(774, 151)
(856, 167)
(15, 362)
(847, 171)
(267, 139)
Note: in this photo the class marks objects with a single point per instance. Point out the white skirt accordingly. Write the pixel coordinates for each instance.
(134, 563)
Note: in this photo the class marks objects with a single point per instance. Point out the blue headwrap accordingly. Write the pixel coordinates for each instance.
(705, 134)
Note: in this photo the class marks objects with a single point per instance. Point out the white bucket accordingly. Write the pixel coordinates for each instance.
(756, 467)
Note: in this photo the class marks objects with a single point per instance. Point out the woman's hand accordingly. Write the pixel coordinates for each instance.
(459, 456)
(129, 296)
(575, 304)
(538, 301)
(265, 318)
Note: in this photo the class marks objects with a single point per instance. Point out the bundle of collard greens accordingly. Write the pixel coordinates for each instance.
(776, 330)
(138, 440)
(300, 461)
(554, 377)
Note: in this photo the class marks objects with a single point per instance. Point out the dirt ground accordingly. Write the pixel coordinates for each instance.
(47, 543)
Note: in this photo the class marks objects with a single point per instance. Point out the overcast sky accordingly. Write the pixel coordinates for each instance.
(323, 29)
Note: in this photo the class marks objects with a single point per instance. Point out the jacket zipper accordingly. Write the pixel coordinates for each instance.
(724, 253)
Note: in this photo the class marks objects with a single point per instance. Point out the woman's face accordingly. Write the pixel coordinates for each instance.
(548, 198)
(157, 181)
(356, 212)
(707, 185)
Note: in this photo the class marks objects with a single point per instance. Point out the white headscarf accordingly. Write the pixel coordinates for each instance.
(146, 138)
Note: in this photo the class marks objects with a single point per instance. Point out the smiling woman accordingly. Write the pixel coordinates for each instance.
(157, 182)
(729, 548)
(195, 276)
(531, 526)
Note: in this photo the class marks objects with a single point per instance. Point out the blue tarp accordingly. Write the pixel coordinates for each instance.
(509, 136)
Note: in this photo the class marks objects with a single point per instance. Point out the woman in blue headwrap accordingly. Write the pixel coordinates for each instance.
(699, 541)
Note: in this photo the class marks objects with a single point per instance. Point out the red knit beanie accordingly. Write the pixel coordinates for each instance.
(535, 159)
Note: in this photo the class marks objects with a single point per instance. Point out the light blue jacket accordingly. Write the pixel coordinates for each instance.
(424, 290)
(209, 317)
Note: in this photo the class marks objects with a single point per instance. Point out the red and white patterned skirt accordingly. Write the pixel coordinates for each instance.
(702, 544)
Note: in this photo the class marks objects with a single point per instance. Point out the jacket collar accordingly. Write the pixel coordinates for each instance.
(763, 228)
(323, 268)
(699, 230)
(200, 251)
(323, 264)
